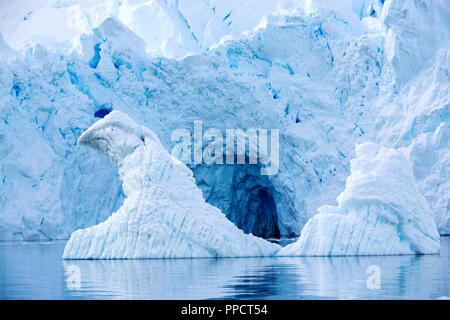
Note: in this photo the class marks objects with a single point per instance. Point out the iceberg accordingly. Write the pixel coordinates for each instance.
(380, 212)
(164, 214)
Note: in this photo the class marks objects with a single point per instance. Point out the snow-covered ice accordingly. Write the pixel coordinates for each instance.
(164, 214)
(380, 212)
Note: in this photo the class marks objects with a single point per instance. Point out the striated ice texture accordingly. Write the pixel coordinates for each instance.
(430, 155)
(328, 74)
(380, 212)
(164, 214)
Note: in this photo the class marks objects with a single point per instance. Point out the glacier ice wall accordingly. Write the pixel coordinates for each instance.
(327, 78)
(44, 180)
(164, 214)
(380, 212)
(430, 155)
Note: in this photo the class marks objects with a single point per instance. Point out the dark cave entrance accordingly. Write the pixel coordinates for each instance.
(246, 197)
(261, 217)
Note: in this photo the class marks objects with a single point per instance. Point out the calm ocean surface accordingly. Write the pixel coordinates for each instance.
(36, 271)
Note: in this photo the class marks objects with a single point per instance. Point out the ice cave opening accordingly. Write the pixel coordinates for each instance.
(259, 214)
(246, 197)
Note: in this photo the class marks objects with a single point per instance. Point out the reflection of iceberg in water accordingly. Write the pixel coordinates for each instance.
(162, 279)
(412, 277)
(346, 277)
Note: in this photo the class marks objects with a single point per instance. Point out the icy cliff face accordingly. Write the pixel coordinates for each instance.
(379, 212)
(326, 78)
(417, 50)
(430, 155)
(164, 214)
(44, 181)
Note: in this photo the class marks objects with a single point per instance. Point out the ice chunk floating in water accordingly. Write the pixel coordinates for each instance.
(380, 212)
(164, 214)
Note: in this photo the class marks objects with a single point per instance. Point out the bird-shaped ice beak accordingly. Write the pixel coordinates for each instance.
(116, 135)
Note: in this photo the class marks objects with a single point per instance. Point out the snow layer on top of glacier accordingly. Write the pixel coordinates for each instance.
(379, 212)
(164, 214)
(6, 51)
(172, 28)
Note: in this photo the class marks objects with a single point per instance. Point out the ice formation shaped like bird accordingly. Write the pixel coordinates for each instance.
(164, 214)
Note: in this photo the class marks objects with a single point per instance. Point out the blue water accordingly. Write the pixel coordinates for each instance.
(36, 271)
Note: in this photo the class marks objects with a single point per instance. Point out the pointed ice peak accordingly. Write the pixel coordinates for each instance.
(114, 31)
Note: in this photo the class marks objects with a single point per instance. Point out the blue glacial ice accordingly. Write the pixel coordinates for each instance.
(328, 74)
